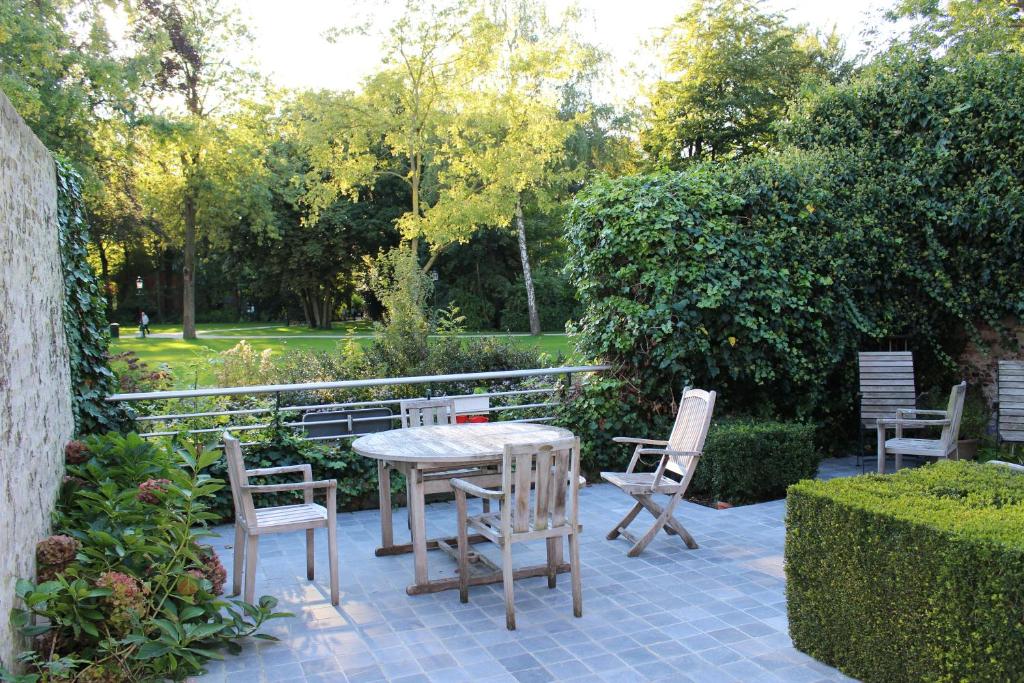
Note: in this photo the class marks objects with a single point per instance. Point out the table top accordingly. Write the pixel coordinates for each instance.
(454, 443)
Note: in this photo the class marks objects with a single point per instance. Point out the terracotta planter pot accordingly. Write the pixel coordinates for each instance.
(722, 505)
(967, 449)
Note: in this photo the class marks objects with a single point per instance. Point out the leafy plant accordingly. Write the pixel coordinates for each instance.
(139, 598)
(85, 320)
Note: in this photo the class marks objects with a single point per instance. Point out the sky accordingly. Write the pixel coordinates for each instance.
(290, 46)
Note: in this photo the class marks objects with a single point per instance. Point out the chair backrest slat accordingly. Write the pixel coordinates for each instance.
(1010, 394)
(690, 429)
(245, 510)
(954, 412)
(542, 489)
(548, 470)
(886, 384)
(426, 412)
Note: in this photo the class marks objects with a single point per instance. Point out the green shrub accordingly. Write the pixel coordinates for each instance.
(748, 461)
(124, 589)
(917, 576)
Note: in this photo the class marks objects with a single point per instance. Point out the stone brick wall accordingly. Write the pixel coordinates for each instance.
(35, 400)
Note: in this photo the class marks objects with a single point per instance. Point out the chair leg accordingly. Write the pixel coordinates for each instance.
(574, 569)
(239, 562)
(506, 574)
(899, 462)
(552, 567)
(309, 554)
(486, 505)
(332, 555)
(624, 522)
(251, 559)
(653, 531)
(460, 512)
(881, 451)
(670, 523)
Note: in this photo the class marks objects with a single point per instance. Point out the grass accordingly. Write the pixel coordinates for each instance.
(189, 359)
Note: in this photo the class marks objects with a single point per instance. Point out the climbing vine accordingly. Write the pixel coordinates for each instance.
(85, 321)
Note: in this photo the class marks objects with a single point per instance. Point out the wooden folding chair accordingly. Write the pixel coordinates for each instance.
(943, 447)
(1010, 400)
(679, 456)
(426, 412)
(252, 522)
(551, 470)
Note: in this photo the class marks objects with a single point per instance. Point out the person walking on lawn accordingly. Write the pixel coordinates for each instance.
(144, 324)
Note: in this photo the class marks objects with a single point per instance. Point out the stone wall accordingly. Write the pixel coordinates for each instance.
(35, 397)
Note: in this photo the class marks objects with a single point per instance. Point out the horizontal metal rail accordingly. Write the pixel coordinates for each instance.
(543, 399)
(355, 383)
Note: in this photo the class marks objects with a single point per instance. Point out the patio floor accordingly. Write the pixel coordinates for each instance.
(713, 614)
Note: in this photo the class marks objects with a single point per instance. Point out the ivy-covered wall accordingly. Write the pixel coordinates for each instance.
(36, 417)
(84, 317)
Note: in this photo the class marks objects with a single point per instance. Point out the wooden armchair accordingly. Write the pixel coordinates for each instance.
(679, 456)
(252, 522)
(551, 470)
(943, 447)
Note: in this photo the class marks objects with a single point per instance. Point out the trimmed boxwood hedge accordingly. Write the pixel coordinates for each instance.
(747, 461)
(917, 576)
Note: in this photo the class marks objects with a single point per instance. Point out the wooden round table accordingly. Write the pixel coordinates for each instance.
(429, 457)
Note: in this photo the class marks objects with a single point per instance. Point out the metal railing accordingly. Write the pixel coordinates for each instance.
(210, 411)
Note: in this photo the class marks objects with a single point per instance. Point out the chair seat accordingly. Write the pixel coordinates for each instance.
(288, 517)
(641, 482)
(925, 447)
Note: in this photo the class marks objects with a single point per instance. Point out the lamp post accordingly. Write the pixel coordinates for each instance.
(138, 284)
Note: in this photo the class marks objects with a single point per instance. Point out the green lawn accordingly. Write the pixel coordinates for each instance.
(189, 359)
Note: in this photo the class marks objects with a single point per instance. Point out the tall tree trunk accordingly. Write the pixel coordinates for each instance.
(524, 258)
(105, 276)
(305, 308)
(188, 270)
(325, 318)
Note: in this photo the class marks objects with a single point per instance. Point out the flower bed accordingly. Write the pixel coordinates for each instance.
(125, 590)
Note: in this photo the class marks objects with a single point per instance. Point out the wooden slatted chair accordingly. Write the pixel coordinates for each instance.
(551, 470)
(426, 412)
(943, 447)
(252, 522)
(678, 456)
(1010, 392)
(886, 385)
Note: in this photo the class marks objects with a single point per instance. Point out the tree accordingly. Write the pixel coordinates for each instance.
(394, 127)
(192, 41)
(507, 140)
(732, 68)
(970, 26)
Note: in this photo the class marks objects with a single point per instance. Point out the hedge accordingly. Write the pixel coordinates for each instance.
(751, 461)
(917, 576)
(896, 208)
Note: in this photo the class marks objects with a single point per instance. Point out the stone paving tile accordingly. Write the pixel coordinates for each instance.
(715, 615)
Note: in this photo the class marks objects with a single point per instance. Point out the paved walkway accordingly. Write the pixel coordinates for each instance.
(716, 614)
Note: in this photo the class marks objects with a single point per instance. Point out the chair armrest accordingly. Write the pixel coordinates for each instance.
(669, 451)
(1008, 465)
(306, 470)
(643, 442)
(474, 490)
(882, 424)
(298, 486)
(918, 411)
(581, 481)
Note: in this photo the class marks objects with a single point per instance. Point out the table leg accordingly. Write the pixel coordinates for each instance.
(387, 538)
(414, 478)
